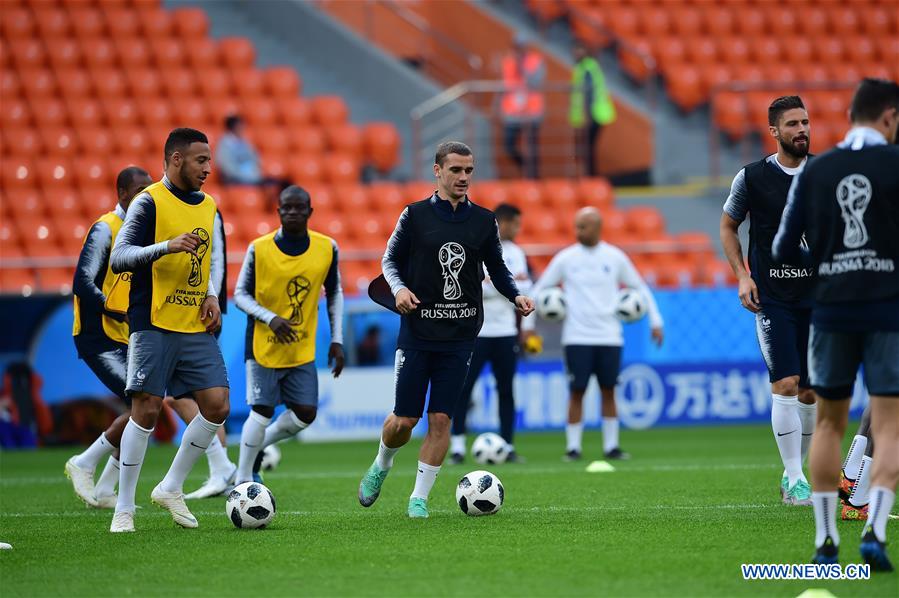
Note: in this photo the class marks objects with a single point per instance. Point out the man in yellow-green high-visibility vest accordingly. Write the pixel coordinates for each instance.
(591, 106)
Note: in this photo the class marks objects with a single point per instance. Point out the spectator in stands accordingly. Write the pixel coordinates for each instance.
(524, 73)
(591, 107)
(237, 159)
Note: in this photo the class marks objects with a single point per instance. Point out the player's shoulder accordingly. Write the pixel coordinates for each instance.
(316, 236)
(612, 250)
(268, 237)
(569, 252)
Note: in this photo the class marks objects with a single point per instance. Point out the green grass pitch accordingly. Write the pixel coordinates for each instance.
(676, 520)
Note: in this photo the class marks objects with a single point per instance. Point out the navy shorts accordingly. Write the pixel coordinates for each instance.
(834, 358)
(782, 332)
(445, 371)
(111, 367)
(583, 361)
(268, 387)
(173, 362)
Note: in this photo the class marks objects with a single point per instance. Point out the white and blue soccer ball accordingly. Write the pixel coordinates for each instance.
(490, 449)
(480, 493)
(250, 506)
(630, 306)
(271, 457)
(551, 305)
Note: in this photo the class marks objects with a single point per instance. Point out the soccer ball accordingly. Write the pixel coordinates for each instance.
(480, 493)
(489, 449)
(551, 304)
(250, 505)
(631, 305)
(271, 456)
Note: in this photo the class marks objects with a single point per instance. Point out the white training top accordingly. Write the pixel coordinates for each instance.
(499, 314)
(592, 277)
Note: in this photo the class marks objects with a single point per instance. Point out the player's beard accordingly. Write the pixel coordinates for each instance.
(790, 148)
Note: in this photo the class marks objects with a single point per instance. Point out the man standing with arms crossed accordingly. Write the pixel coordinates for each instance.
(779, 295)
(846, 202)
(434, 266)
(173, 312)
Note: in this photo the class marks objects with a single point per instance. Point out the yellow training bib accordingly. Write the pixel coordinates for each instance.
(180, 280)
(114, 285)
(290, 287)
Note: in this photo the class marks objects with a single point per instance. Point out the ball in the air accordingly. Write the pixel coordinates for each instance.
(551, 304)
(631, 305)
(480, 493)
(250, 506)
(490, 449)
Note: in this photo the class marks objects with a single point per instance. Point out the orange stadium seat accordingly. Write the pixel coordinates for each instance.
(193, 110)
(122, 23)
(37, 236)
(669, 51)
(687, 21)
(24, 203)
(52, 23)
(321, 195)
(525, 194)
(417, 191)
(305, 168)
(382, 145)
(272, 141)
(87, 23)
(180, 83)
(190, 23)
(86, 113)
(54, 174)
(701, 50)
(156, 23)
(613, 221)
(623, 20)
(98, 53)
(489, 193)
(750, 21)
(74, 84)
(595, 192)
(329, 110)
(237, 53)
(38, 83)
(92, 172)
(655, 21)
(845, 72)
(388, 196)
(733, 50)
(130, 140)
(294, 111)
(644, 222)
(204, 54)
(60, 141)
(800, 52)
(216, 83)
(27, 53)
(718, 21)
(546, 10)
(49, 112)
(781, 73)
(346, 138)
(168, 52)
(585, 25)
(15, 113)
(861, 49)
(17, 280)
(98, 198)
(340, 168)
(66, 205)
(219, 109)
(133, 53)
(561, 194)
(143, 82)
(844, 20)
(713, 76)
(248, 83)
(120, 112)
(308, 140)
(17, 23)
(63, 53)
(109, 83)
(352, 199)
(766, 50)
(10, 86)
(23, 141)
(829, 49)
(814, 22)
(684, 85)
(282, 82)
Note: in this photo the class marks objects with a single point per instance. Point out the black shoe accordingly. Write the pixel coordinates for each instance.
(515, 458)
(618, 454)
(826, 554)
(572, 455)
(874, 552)
(257, 466)
(457, 459)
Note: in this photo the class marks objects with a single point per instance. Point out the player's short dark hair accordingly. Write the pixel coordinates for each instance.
(872, 97)
(127, 176)
(781, 105)
(232, 120)
(181, 138)
(506, 211)
(292, 190)
(450, 147)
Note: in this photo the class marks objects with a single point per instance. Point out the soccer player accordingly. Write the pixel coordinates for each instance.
(434, 265)
(498, 340)
(846, 202)
(173, 311)
(101, 339)
(592, 272)
(779, 295)
(278, 287)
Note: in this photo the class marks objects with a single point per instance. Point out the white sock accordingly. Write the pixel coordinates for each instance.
(825, 506)
(384, 460)
(457, 444)
(92, 455)
(573, 435)
(879, 509)
(859, 496)
(106, 484)
(194, 442)
(808, 414)
(787, 428)
(250, 444)
(286, 426)
(854, 457)
(424, 480)
(217, 455)
(131, 458)
(609, 433)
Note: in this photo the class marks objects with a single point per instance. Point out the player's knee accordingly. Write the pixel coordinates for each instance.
(439, 423)
(788, 387)
(216, 409)
(145, 409)
(807, 396)
(264, 410)
(404, 424)
(305, 413)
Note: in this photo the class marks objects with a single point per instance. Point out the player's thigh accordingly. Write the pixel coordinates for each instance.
(152, 356)
(447, 370)
(607, 365)
(299, 385)
(880, 356)
(263, 388)
(833, 360)
(579, 366)
(776, 328)
(411, 377)
(199, 365)
(111, 368)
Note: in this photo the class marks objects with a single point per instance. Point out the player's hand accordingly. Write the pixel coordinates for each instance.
(531, 342)
(524, 305)
(749, 294)
(187, 242)
(406, 301)
(284, 332)
(336, 357)
(658, 335)
(211, 314)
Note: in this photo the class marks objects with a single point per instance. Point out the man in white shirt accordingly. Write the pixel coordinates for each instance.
(592, 272)
(498, 340)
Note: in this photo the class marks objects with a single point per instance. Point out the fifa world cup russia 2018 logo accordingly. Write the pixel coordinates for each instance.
(196, 274)
(297, 291)
(452, 258)
(853, 195)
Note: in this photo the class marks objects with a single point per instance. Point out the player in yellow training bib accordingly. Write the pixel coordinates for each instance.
(166, 243)
(279, 286)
